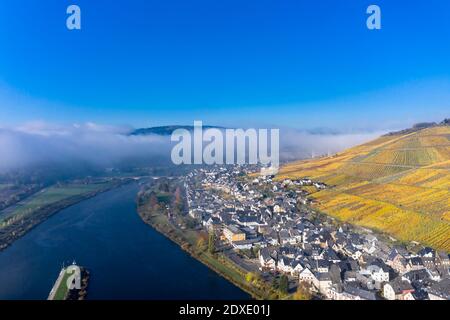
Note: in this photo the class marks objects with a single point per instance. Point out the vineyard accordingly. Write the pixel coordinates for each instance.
(412, 157)
(399, 184)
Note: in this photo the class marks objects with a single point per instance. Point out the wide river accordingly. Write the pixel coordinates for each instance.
(127, 258)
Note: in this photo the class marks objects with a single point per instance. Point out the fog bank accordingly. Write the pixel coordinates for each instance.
(99, 145)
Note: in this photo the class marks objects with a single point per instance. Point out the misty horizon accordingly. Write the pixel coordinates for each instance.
(41, 143)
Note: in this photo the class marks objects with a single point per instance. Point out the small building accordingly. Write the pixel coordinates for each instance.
(233, 234)
(440, 290)
(355, 292)
(306, 275)
(266, 259)
(377, 273)
(323, 282)
(442, 260)
(398, 289)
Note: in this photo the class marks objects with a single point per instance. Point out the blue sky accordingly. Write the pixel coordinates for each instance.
(301, 64)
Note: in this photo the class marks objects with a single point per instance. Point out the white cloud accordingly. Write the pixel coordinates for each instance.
(296, 144)
(39, 142)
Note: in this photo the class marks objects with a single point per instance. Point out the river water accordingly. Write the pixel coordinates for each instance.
(127, 258)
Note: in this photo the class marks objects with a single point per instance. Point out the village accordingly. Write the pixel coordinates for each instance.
(269, 227)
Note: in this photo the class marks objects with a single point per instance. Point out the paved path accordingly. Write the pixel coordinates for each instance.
(51, 296)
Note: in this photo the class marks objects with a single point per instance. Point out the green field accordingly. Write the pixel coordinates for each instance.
(17, 220)
(62, 289)
(47, 197)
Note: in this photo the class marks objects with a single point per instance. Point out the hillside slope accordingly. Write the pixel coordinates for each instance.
(398, 184)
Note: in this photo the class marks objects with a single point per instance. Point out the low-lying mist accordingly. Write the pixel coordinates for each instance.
(43, 144)
(295, 145)
(99, 146)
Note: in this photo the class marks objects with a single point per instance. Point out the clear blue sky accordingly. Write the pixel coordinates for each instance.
(227, 62)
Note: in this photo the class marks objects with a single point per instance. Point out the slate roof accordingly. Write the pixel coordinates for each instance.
(426, 251)
(400, 285)
(415, 261)
(417, 275)
(441, 289)
(323, 276)
(359, 292)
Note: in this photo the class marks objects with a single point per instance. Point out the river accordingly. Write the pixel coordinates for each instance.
(127, 258)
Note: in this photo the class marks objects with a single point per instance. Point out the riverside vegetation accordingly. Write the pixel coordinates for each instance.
(162, 206)
(17, 220)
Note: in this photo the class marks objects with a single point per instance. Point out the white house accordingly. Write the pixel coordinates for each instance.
(266, 260)
(289, 266)
(376, 273)
(308, 276)
(324, 282)
(398, 289)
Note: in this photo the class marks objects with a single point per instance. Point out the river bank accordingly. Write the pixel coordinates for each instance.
(16, 227)
(126, 258)
(187, 239)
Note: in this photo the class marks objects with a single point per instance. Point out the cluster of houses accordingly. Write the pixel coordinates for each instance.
(336, 261)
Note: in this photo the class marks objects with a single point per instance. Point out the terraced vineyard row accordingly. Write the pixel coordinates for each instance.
(369, 171)
(385, 217)
(428, 178)
(421, 141)
(410, 157)
(405, 196)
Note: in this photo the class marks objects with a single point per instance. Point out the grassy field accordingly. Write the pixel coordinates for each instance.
(17, 220)
(62, 290)
(398, 184)
(47, 197)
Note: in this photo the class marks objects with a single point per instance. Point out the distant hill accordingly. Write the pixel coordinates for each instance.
(420, 126)
(165, 130)
(398, 184)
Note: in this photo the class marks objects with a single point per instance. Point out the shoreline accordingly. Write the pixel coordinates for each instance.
(186, 246)
(16, 231)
